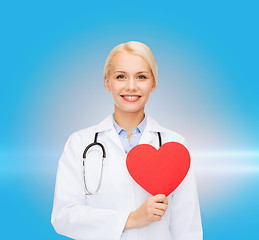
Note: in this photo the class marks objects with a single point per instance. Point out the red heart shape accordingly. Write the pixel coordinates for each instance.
(158, 171)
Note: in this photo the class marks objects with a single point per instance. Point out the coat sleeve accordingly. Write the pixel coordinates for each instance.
(185, 218)
(70, 215)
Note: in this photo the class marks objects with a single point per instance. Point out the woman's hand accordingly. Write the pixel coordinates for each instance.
(150, 211)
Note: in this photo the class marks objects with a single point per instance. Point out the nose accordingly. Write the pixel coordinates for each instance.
(132, 84)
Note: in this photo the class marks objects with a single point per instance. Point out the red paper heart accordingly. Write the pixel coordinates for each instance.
(158, 171)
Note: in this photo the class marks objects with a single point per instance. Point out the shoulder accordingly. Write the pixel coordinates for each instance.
(87, 134)
(79, 138)
(172, 136)
(168, 135)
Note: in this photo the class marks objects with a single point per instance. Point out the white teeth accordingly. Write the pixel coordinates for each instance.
(130, 97)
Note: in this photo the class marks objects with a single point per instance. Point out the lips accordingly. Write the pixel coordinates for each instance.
(131, 98)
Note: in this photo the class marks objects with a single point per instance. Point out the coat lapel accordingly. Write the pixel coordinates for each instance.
(150, 133)
(107, 126)
(147, 137)
(113, 135)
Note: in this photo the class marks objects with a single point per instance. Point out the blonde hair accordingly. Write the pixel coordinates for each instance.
(137, 48)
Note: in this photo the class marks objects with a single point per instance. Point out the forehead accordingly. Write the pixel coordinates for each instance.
(125, 61)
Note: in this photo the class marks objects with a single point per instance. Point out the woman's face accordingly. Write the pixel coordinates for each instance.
(130, 81)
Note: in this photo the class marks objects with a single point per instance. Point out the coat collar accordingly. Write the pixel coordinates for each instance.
(147, 136)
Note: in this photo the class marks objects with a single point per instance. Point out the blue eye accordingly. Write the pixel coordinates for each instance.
(142, 77)
(120, 77)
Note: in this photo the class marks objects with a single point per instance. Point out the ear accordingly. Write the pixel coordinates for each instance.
(153, 87)
(107, 84)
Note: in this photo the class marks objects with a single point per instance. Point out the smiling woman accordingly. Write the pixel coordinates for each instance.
(130, 80)
(95, 196)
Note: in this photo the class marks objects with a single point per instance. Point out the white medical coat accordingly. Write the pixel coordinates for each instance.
(103, 216)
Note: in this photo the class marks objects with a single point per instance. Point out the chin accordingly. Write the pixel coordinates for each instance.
(132, 110)
(130, 107)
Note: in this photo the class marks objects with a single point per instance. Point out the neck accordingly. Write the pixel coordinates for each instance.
(128, 120)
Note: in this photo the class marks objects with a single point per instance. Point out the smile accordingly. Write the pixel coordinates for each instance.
(131, 98)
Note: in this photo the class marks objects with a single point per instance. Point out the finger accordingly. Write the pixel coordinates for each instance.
(158, 212)
(159, 197)
(160, 206)
(156, 218)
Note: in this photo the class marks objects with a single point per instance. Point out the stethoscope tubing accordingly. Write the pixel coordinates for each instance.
(103, 157)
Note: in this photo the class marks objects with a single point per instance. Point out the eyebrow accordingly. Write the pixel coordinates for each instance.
(125, 72)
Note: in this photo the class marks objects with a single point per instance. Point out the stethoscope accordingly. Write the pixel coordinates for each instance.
(103, 157)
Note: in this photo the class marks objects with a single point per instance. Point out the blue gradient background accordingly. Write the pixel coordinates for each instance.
(52, 58)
